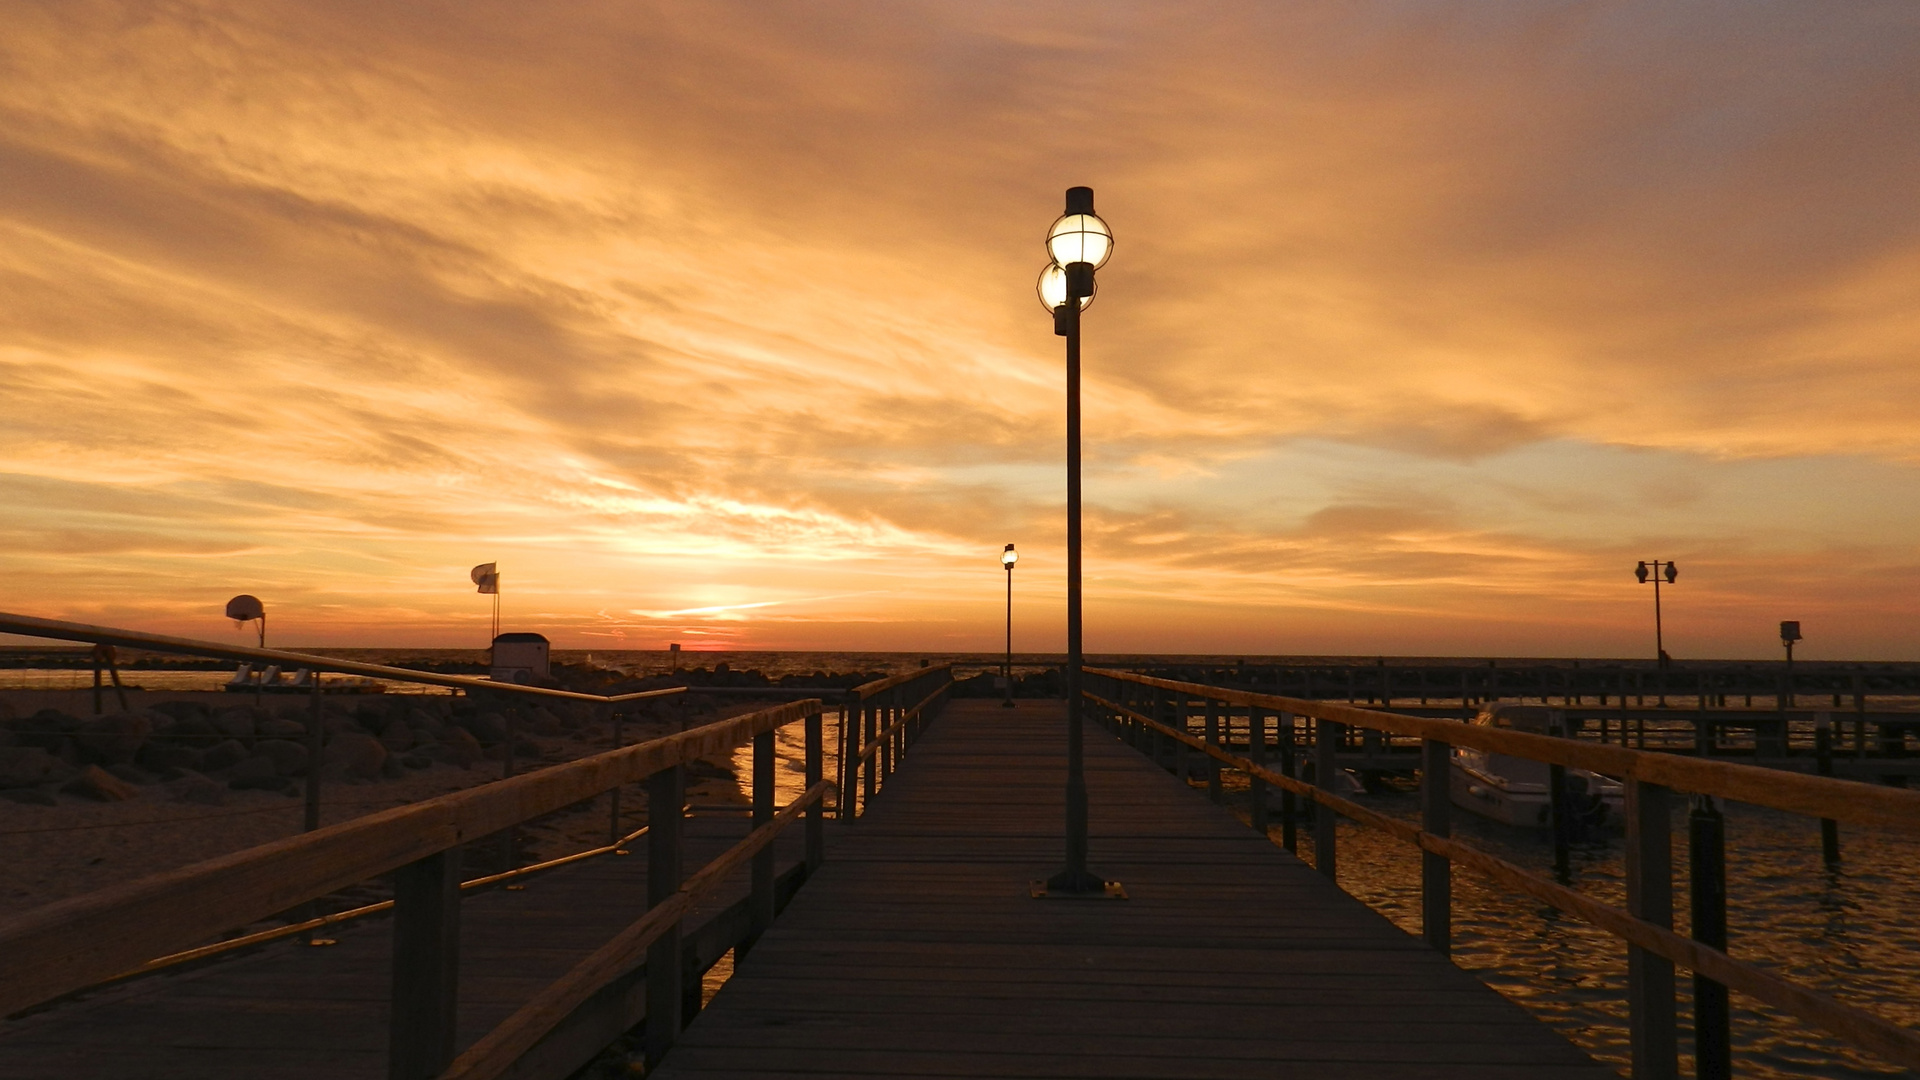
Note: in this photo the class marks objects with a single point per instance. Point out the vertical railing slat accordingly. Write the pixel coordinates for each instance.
(426, 966)
(1436, 817)
(1326, 762)
(1650, 1002)
(666, 795)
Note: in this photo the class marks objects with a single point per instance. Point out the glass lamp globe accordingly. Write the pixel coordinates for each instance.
(1053, 288)
(1080, 238)
(1009, 557)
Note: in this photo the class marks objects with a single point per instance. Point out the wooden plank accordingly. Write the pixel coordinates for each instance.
(916, 952)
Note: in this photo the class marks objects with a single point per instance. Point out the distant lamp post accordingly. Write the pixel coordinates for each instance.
(1079, 243)
(1007, 559)
(1659, 569)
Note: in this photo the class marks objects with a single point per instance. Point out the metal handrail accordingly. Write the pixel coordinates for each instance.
(58, 630)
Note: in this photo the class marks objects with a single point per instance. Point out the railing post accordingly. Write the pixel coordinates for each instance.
(613, 807)
(1213, 740)
(1179, 748)
(1650, 1006)
(666, 795)
(869, 713)
(1436, 872)
(1289, 836)
(1707, 894)
(315, 733)
(1823, 765)
(761, 905)
(426, 966)
(1257, 753)
(816, 771)
(1326, 745)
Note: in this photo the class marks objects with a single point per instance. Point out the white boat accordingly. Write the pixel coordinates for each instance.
(1513, 790)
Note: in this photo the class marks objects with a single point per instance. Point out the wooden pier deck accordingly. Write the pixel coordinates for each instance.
(917, 952)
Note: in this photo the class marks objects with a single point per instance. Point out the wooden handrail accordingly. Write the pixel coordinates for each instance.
(878, 686)
(1814, 796)
(1863, 1028)
(906, 716)
(499, 1049)
(57, 630)
(75, 943)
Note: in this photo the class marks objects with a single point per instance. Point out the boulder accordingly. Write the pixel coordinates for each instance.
(33, 796)
(195, 731)
(114, 738)
(161, 756)
(354, 756)
(195, 788)
(425, 725)
(178, 710)
(488, 727)
(131, 774)
(461, 747)
(416, 760)
(44, 729)
(397, 737)
(24, 766)
(278, 728)
(95, 782)
(544, 722)
(257, 772)
(237, 724)
(223, 754)
(289, 758)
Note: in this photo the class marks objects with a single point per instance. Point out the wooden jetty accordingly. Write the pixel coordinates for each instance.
(919, 948)
(918, 951)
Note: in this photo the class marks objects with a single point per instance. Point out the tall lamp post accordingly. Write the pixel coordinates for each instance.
(1660, 569)
(1079, 243)
(1007, 559)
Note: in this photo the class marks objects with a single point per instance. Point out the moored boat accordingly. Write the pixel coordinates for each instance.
(1513, 790)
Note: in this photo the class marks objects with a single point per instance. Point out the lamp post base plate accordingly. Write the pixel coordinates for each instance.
(1103, 890)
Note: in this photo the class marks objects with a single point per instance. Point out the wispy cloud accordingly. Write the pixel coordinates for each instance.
(1421, 319)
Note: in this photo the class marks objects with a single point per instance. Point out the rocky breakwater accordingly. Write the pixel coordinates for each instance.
(199, 750)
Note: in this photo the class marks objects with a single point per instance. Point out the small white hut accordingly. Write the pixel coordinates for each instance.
(520, 658)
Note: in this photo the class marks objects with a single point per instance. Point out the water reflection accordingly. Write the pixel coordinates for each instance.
(1853, 933)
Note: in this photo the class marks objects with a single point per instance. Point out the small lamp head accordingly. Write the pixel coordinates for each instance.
(1672, 572)
(1009, 557)
(1640, 572)
(1789, 631)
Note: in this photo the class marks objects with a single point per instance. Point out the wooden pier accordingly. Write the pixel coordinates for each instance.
(918, 951)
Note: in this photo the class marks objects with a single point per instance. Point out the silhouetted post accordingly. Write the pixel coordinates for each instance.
(613, 810)
(1257, 753)
(426, 965)
(816, 813)
(1289, 836)
(761, 905)
(1707, 895)
(1326, 762)
(1650, 1008)
(1436, 872)
(1213, 740)
(1007, 559)
(1557, 804)
(666, 794)
(1823, 763)
(314, 739)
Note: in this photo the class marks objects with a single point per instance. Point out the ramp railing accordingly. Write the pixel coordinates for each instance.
(1155, 715)
(881, 721)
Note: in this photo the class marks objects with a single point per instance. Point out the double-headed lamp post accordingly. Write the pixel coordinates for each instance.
(1007, 559)
(1661, 569)
(1079, 243)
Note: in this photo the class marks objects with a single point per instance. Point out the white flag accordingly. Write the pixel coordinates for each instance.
(487, 577)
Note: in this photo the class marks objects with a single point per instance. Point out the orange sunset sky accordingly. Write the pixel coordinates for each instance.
(714, 322)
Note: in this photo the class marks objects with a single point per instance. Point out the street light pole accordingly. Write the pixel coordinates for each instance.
(1660, 569)
(1079, 243)
(1007, 559)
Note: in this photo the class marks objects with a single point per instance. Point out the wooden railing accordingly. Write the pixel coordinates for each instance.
(881, 720)
(1153, 714)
